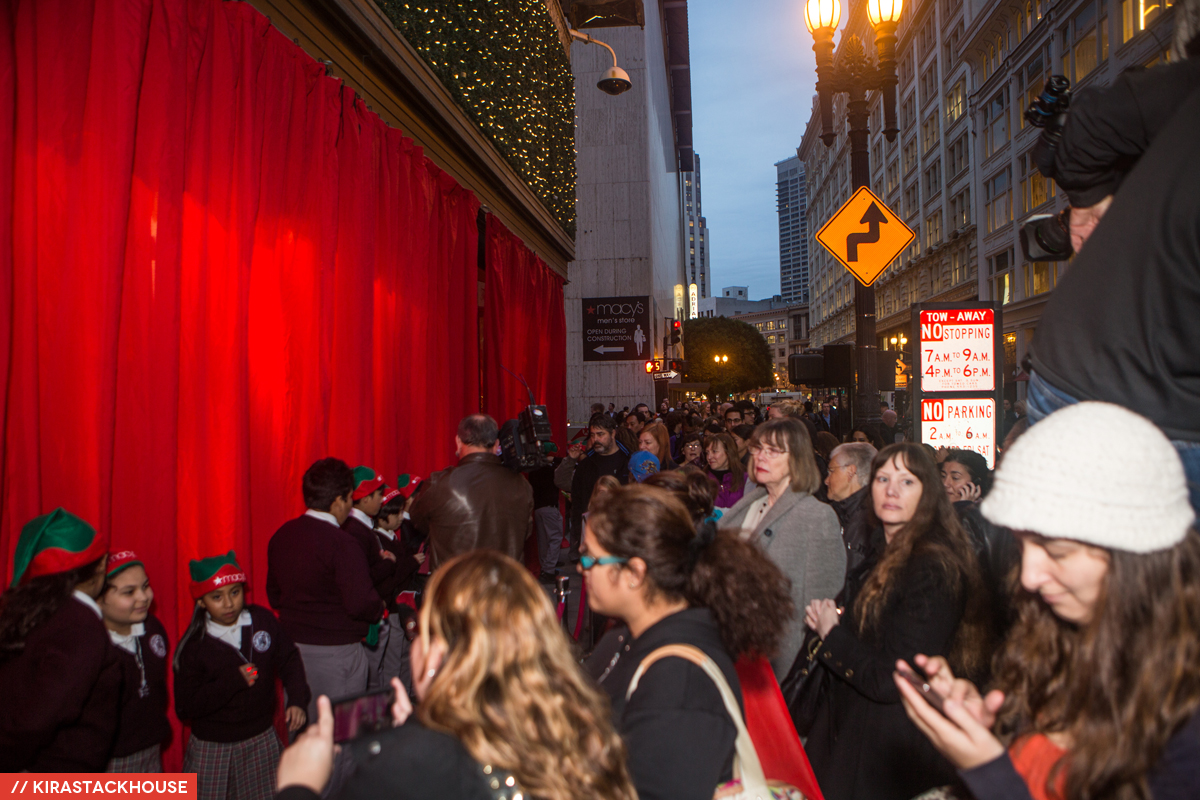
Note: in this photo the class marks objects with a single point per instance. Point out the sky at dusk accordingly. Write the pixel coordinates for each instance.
(753, 77)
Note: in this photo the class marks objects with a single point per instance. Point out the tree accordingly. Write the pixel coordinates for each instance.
(749, 366)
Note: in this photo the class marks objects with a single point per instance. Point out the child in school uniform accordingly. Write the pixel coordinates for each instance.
(225, 669)
(141, 645)
(395, 660)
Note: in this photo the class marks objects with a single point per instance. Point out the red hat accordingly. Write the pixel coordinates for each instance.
(120, 560)
(53, 543)
(408, 484)
(209, 574)
(366, 481)
(390, 494)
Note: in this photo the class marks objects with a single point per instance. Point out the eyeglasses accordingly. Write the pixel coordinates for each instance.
(587, 562)
(766, 451)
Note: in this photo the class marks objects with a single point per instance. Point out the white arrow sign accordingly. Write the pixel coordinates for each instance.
(602, 349)
(665, 376)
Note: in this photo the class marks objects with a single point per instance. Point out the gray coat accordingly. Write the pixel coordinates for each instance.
(802, 536)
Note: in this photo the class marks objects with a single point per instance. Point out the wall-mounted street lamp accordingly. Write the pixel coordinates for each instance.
(616, 80)
(855, 75)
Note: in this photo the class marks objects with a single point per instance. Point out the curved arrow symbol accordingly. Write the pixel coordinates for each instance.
(873, 218)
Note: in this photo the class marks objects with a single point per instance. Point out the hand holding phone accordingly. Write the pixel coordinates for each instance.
(361, 715)
(921, 684)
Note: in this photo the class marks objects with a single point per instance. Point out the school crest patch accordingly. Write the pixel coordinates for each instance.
(158, 645)
(262, 642)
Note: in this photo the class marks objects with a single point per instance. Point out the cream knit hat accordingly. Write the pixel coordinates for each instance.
(1096, 473)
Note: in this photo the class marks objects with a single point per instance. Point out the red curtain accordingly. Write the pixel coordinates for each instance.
(216, 266)
(525, 330)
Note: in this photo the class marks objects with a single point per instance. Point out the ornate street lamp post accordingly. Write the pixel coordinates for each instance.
(855, 75)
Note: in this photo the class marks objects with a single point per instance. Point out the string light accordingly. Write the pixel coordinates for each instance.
(503, 62)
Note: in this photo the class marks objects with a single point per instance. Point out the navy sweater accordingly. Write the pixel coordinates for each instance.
(212, 696)
(318, 581)
(143, 720)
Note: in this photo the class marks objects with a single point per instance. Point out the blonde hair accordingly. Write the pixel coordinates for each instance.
(509, 688)
(791, 436)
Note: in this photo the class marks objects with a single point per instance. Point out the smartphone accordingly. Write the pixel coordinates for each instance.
(922, 685)
(362, 714)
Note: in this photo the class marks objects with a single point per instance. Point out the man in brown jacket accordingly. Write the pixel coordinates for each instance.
(477, 504)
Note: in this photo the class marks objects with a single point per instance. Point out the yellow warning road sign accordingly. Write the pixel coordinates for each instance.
(865, 235)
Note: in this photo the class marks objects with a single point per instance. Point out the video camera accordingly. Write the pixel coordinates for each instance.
(1047, 237)
(527, 441)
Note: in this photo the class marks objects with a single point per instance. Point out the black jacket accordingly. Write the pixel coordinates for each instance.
(678, 735)
(1123, 323)
(852, 513)
(862, 745)
(409, 763)
(212, 696)
(587, 472)
(1176, 776)
(143, 722)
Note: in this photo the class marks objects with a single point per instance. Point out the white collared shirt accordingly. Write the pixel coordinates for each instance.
(362, 517)
(89, 602)
(391, 535)
(324, 516)
(128, 642)
(229, 634)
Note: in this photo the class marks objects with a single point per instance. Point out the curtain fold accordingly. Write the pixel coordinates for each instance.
(216, 266)
(525, 331)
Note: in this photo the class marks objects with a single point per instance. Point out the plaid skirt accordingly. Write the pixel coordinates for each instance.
(234, 770)
(148, 760)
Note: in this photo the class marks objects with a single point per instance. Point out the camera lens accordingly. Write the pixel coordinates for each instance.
(1046, 238)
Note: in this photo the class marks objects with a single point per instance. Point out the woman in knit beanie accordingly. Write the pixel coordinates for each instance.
(1097, 688)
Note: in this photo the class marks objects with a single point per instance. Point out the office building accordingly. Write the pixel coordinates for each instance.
(790, 202)
(697, 231)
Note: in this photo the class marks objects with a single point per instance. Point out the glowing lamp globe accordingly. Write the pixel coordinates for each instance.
(822, 14)
(880, 11)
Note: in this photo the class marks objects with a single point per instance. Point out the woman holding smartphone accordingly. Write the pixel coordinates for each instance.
(503, 708)
(921, 592)
(1097, 688)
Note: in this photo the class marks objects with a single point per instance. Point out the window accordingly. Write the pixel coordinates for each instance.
(995, 123)
(893, 176)
(1137, 15)
(960, 209)
(906, 69)
(1036, 189)
(770, 340)
(1000, 268)
(929, 84)
(1083, 26)
(933, 229)
(927, 37)
(929, 133)
(933, 179)
(1034, 77)
(997, 198)
(958, 267)
(1040, 277)
(910, 156)
(912, 200)
(771, 325)
(958, 155)
(956, 102)
(908, 112)
(877, 156)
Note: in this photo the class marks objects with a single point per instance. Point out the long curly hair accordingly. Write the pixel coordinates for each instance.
(509, 688)
(1118, 686)
(24, 607)
(749, 597)
(934, 531)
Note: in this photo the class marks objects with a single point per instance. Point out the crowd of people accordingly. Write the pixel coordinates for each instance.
(939, 630)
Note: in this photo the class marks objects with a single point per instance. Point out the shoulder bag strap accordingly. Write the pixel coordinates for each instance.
(746, 767)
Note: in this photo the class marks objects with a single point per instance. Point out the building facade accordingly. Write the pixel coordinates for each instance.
(960, 172)
(631, 151)
(697, 271)
(791, 205)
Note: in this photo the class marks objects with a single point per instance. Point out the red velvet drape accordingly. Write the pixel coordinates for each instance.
(216, 266)
(525, 330)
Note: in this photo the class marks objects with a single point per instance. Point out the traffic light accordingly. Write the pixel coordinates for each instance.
(654, 365)
(649, 367)
(678, 365)
(676, 331)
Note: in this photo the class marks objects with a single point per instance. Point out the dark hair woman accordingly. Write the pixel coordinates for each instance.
(60, 679)
(868, 434)
(725, 468)
(691, 450)
(646, 564)
(783, 517)
(1097, 687)
(919, 591)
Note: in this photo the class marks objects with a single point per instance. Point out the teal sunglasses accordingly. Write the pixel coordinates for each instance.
(587, 562)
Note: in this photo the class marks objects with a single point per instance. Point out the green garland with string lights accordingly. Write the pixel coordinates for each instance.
(503, 62)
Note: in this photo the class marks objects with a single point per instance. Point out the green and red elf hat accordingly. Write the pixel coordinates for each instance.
(210, 574)
(408, 483)
(53, 543)
(366, 481)
(120, 560)
(390, 494)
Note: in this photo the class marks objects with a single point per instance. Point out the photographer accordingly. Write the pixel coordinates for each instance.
(1123, 324)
